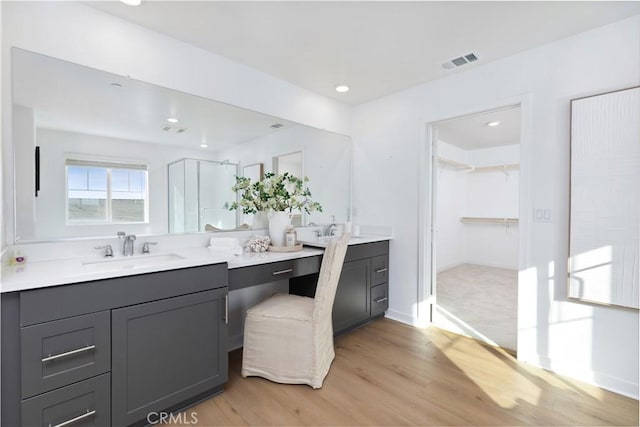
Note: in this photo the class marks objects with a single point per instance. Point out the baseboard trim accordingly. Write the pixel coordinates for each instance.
(599, 379)
(407, 319)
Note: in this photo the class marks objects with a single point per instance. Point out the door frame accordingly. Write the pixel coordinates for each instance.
(427, 199)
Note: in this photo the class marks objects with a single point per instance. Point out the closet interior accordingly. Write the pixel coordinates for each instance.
(476, 226)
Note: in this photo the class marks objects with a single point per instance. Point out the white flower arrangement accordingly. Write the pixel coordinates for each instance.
(278, 193)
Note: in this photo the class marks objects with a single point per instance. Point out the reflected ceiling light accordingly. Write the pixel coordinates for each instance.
(342, 88)
(172, 120)
(494, 123)
(132, 2)
(204, 145)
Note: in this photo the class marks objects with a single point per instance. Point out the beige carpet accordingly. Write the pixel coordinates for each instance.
(480, 302)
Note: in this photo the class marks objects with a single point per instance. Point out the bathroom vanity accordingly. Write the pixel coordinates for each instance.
(133, 342)
(114, 350)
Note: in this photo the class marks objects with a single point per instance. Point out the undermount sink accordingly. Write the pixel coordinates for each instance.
(132, 262)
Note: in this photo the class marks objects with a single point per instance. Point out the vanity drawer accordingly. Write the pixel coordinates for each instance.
(263, 273)
(379, 299)
(87, 403)
(58, 353)
(379, 269)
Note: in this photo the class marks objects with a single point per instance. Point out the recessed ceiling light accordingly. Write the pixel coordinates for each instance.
(204, 145)
(132, 2)
(342, 88)
(494, 123)
(172, 120)
(118, 85)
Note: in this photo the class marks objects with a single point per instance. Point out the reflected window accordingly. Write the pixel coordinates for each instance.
(105, 192)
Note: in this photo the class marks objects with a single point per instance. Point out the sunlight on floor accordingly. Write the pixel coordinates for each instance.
(520, 382)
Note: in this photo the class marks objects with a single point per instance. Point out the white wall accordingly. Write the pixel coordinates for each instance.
(81, 34)
(493, 193)
(465, 193)
(594, 343)
(451, 242)
(50, 204)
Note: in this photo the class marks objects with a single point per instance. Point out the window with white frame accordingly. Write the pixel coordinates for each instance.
(100, 192)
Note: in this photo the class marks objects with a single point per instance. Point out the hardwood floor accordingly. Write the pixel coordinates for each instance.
(387, 373)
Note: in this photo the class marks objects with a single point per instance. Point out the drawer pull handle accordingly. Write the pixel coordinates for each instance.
(226, 309)
(382, 270)
(288, 270)
(76, 419)
(68, 353)
(383, 299)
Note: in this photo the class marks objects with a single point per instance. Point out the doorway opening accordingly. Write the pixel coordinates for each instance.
(475, 225)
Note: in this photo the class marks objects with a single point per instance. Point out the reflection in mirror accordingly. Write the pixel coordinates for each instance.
(106, 146)
(200, 196)
(254, 172)
(291, 163)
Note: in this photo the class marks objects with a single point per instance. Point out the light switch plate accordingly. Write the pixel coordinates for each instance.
(542, 215)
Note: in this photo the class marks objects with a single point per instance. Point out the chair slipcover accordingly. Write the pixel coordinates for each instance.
(289, 338)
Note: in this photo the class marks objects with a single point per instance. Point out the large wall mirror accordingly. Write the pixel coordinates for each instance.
(119, 154)
(604, 255)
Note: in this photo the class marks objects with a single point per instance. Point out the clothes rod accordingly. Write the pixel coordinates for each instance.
(472, 219)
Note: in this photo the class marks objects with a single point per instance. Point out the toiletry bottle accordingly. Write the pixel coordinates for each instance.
(291, 237)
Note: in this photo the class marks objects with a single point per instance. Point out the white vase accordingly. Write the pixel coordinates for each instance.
(278, 224)
(259, 220)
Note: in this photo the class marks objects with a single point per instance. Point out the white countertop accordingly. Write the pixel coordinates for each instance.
(321, 242)
(33, 275)
(74, 269)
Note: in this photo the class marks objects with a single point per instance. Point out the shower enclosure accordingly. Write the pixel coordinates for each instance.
(200, 196)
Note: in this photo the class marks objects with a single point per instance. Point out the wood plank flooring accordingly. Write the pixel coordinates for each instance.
(390, 374)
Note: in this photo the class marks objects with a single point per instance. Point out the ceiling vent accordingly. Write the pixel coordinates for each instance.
(460, 61)
(276, 125)
(173, 129)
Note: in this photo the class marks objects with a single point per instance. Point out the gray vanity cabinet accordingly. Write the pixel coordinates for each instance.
(166, 352)
(363, 288)
(109, 352)
(351, 305)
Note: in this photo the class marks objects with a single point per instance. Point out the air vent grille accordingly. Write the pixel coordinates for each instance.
(460, 61)
(173, 129)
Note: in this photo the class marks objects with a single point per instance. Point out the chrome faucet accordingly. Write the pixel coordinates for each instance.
(127, 245)
(145, 247)
(108, 251)
(331, 230)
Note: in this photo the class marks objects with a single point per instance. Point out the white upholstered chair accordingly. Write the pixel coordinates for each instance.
(289, 338)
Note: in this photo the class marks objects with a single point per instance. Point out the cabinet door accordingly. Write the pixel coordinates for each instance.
(167, 352)
(351, 305)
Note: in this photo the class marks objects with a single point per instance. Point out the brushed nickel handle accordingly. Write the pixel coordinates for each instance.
(68, 353)
(76, 419)
(383, 299)
(288, 270)
(382, 270)
(226, 309)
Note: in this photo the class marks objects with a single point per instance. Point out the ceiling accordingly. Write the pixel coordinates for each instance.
(74, 98)
(472, 133)
(376, 48)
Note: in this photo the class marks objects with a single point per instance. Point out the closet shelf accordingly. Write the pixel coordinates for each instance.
(486, 220)
(453, 163)
(503, 167)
